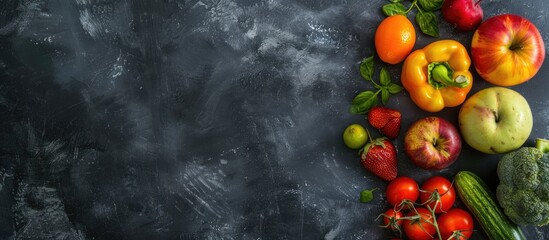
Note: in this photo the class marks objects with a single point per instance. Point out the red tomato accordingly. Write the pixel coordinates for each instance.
(419, 229)
(445, 192)
(391, 219)
(456, 222)
(402, 188)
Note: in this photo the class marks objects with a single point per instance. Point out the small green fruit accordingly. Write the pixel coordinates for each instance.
(355, 136)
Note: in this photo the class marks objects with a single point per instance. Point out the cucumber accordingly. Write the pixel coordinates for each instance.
(481, 202)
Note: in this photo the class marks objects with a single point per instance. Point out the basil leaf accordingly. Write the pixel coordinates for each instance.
(367, 68)
(385, 96)
(394, 88)
(367, 195)
(384, 77)
(428, 23)
(431, 5)
(363, 102)
(391, 9)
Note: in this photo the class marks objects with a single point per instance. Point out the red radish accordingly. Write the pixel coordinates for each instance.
(465, 15)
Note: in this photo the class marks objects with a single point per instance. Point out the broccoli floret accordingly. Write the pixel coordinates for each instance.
(523, 190)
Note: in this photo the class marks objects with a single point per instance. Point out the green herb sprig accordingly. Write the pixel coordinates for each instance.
(364, 101)
(425, 18)
(367, 195)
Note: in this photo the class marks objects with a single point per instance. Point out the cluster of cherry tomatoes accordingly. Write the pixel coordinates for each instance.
(432, 217)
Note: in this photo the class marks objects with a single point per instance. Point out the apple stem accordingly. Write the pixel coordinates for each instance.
(496, 116)
(515, 47)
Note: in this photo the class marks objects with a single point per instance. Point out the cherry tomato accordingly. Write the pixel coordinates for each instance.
(402, 188)
(391, 219)
(421, 228)
(456, 223)
(445, 192)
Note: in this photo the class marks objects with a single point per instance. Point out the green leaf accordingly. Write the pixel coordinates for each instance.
(394, 88)
(395, 1)
(394, 8)
(363, 102)
(367, 195)
(385, 96)
(431, 5)
(367, 68)
(428, 23)
(384, 77)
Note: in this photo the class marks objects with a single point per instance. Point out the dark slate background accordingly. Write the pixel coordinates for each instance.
(211, 119)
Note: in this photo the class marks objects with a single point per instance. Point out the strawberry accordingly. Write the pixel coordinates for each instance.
(380, 157)
(386, 120)
(392, 128)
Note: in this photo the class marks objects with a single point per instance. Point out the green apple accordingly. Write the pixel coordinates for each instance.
(495, 120)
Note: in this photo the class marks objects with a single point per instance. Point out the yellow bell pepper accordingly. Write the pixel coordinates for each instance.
(438, 75)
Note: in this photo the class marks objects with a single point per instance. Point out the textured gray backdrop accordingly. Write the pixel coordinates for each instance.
(211, 119)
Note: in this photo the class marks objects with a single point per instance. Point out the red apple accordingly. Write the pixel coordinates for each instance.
(507, 50)
(465, 15)
(432, 143)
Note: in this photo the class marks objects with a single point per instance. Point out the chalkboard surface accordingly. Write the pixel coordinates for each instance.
(210, 119)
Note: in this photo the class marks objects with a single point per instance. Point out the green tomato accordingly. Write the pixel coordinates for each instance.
(355, 136)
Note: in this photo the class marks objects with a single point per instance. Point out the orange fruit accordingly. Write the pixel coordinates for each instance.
(395, 38)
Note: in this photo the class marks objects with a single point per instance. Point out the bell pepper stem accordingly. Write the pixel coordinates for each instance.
(441, 73)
